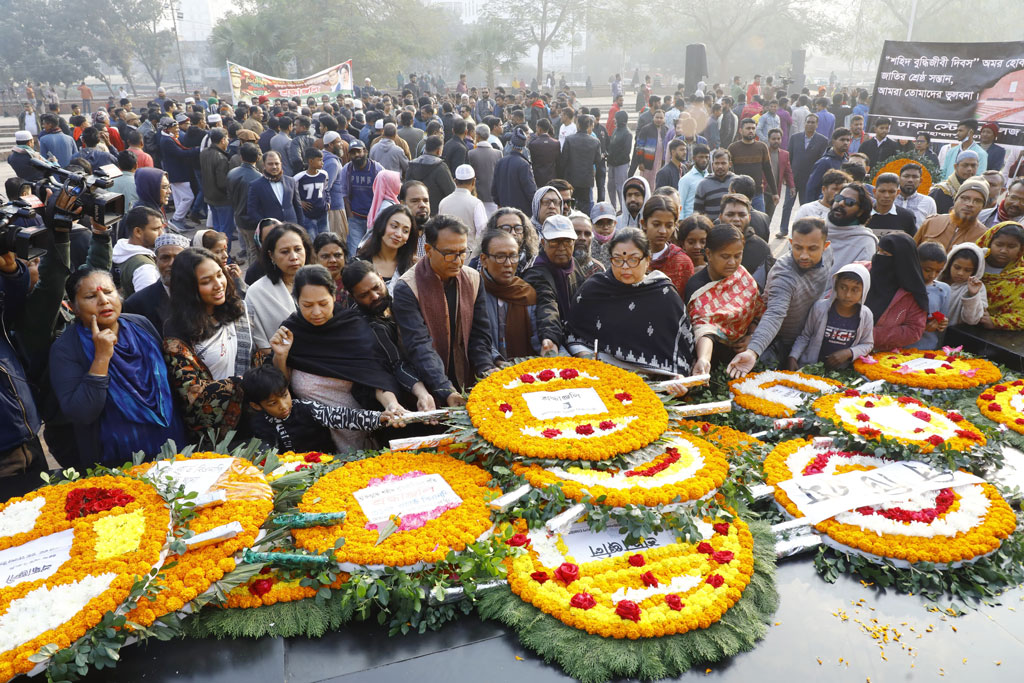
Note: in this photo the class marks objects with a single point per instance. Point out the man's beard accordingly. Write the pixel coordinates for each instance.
(582, 255)
(903, 191)
(360, 162)
(421, 219)
(959, 222)
(841, 218)
(380, 307)
(633, 208)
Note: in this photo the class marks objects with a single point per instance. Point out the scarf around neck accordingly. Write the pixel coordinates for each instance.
(434, 308)
(518, 295)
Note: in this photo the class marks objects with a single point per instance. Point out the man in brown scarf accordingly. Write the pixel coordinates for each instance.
(510, 300)
(441, 312)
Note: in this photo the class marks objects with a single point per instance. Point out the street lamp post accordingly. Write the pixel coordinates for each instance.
(177, 42)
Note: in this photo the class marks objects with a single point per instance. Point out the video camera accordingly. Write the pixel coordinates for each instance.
(64, 197)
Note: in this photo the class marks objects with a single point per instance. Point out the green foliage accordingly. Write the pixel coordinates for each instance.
(594, 659)
(492, 46)
(309, 618)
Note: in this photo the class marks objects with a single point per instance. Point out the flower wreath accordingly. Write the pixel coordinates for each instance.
(249, 500)
(946, 526)
(633, 415)
(728, 439)
(1004, 403)
(422, 536)
(927, 369)
(778, 393)
(118, 529)
(688, 468)
(903, 419)
(296, 462)
(643, 592)
(271, 586)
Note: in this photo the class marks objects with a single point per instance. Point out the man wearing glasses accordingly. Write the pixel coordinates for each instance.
(555, 276)
(510, 300)
(441, 312)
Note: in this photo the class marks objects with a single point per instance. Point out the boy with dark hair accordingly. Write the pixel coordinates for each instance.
(933, 261)
(311, 186)
(298, 425)
(839, 328)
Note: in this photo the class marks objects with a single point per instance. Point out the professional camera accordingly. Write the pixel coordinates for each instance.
(23, 241)
(73, 196)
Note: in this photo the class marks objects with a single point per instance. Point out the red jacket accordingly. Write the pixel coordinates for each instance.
(901, 325)
(785, 174)
(610, 126)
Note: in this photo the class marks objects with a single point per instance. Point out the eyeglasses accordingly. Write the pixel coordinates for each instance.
(846, 201)
(550, 202)
(453, 256)
(562, 244)
(512, 229)
(503, 258)
(623, 261)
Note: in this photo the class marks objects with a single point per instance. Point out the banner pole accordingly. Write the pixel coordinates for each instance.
(913, 16)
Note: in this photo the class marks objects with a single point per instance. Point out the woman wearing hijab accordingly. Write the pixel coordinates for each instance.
(154, 189)
(1004, 276)
(109, 376)
(547, 202)
(898, 298)
(612, 306)
(386, 187)
(330, 354)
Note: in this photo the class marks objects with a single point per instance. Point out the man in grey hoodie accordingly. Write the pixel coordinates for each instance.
(851, 240)
(797, 280)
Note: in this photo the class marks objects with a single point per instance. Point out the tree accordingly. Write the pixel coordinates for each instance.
(494, 48)
(539, 23)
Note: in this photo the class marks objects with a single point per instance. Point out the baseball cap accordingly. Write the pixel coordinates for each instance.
(466, 172)
(356, 144)
(167, 122)
(558, 227)
(601, 211)
(331, 136)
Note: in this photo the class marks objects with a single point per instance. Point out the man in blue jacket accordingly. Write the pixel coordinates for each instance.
(832, 159)
(273, 195)
(178, 162)
(513, 183)
(20, 450)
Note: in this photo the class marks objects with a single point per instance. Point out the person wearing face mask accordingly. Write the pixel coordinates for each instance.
(723, 300)
(603, 218)
(795, 282)
(612, 306)
(852, 241)
(109, 376)
(153, 301)
(208, 345)
(510, 300)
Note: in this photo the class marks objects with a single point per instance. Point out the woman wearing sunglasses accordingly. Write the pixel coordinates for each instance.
(634, 318)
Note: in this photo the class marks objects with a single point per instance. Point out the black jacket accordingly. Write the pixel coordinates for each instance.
(802, 159)
(579, 158)
(152, 302)
(239, 180)
(549, 319)
(432, 172)
(454, 154)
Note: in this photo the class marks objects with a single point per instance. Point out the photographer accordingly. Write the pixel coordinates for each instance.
(21, 454)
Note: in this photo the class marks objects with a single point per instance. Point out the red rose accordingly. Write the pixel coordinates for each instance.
(862, 417)
(606, 425)
(715, 580)
(526, 379)
(649, 579)
(918, 430)
(869, 404)
(266, 570)
(723, 556)
(995, 407)
(627, 609)
(637, 560)
(546, 375)
(706, 427)
(585, 430)
(929, 371)
(673, 602)
(907, 399)
(930, 355)
(947, 366)
(303, 467)
(623, 396)
(987, 397)
(312, 457)
(567, 572)
(1019, 421)
(505, 408)
(851, 392)
(518, 540)
(705, 547)
(935, 440)
(721, 528)
(583, 601)
(868, 432)
(261, 586)
(999, 388)
(955, 417)
(551, 433)
(569, 373)
(1019, 383)
(922, 415)
(540, 577)
(966, 434)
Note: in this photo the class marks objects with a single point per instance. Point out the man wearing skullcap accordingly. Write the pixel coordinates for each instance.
(961, 223)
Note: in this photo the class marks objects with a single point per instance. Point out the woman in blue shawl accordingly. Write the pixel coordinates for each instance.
(109, 376)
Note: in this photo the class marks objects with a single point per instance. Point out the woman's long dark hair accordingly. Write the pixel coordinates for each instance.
(188, 313)
(270, 244)
(406, 253)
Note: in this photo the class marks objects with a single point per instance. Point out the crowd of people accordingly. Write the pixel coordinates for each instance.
(310, 271)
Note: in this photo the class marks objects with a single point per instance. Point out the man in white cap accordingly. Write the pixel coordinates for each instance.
(555, 277)
(153, 301)
(464, 205)
(21, 157)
